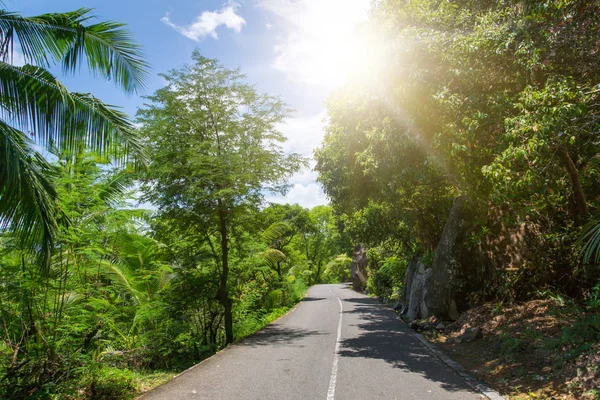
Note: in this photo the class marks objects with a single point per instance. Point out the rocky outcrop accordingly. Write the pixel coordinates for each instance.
(429, 291)
(358, 272)
(409, 276)
(414, 290)
(439, 294)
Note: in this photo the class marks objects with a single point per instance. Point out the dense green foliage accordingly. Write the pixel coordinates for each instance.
(33, 101)
(496, 101)
(222, 135)
(129, 293)
(126, 292)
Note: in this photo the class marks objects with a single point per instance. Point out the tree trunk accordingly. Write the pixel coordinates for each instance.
(580, 206)
(318, 275)
(222, 294)
(228, 321)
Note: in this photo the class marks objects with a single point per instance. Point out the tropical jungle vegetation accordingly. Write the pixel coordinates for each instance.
(494, 106)
(95, 293)
(496, 102)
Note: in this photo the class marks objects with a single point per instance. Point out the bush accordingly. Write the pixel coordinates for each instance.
(253, 315)
(387, 280)
(338, 270)
(101, 382)
(296, 289)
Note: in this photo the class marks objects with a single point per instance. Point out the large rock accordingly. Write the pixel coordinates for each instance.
(468, 335)
(429, 291)
(409, 276)
(438, 295)
(358, 272)
(413, 292)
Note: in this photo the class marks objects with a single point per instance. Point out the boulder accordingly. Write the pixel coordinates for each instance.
(428, 291)
(358, 272)
(409, 276)
(416, 307)
(438, 294)
(470, 335)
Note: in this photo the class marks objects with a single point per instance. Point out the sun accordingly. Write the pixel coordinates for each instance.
(337, 59)
(327, 44)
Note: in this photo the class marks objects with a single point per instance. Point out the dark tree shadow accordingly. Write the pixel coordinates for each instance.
(313, 298)
(278, 335)
(383, 336)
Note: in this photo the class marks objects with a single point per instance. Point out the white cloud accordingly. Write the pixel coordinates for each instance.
(305, 195)
(303, 134)
(305, 177)
(206, 24)
(318, 43)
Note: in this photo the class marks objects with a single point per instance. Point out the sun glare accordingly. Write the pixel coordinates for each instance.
(327, 45)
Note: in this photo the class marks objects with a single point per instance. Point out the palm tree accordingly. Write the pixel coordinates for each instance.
(590, 240)
(37, 110)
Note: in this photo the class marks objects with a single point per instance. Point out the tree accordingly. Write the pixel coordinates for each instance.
(100, 272)
(338, 269)
(319, 238)
(496, 101)
(33, 100)
(277, 236)
(214, 152)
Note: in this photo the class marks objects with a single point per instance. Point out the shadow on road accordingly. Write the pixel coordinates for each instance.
(278, 335)
(383, 336)
(313, 298)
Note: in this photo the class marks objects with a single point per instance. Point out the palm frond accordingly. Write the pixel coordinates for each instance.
(113, 190)
(272, 257)
(74, 298)
(590, 241)
(106, 47)
(157, 280)
(27, 198)
(276, 232)
(35, 100)
(119, 276)
(166, 275)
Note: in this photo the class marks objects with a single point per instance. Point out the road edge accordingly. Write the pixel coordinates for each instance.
(469, 378)
(229, 347)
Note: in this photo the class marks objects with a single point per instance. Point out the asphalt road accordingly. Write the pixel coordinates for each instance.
(316, 352)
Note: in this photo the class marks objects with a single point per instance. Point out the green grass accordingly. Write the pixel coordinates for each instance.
(104, 382)
(255, 323)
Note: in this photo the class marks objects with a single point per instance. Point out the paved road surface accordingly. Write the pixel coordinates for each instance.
(316, 352)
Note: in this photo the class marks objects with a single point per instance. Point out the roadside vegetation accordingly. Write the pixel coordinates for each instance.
(102, 299)
(493, 106)
(469, 156)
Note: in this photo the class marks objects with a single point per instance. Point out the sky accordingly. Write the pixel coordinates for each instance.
(297, 49)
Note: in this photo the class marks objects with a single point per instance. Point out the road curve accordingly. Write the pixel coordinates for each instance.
(317, 352)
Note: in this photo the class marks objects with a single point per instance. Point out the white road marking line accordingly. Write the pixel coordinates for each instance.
(332, 380)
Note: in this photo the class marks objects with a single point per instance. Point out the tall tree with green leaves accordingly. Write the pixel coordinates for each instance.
(496, 101)
(34, 101)
(215, 150)
(319, 238)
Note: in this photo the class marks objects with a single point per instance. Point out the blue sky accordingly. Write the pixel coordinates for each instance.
(297, 49)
